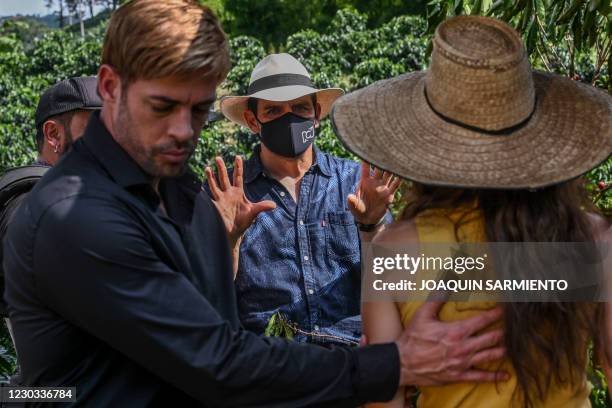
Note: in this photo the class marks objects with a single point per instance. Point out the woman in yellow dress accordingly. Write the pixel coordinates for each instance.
(496, 152)
(546, 342)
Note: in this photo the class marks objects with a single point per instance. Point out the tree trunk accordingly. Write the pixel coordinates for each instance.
(91, 8)
(61, 13)
(81, 15)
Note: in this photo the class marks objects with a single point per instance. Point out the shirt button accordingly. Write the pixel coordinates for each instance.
(282, 193)
(305, 257)
(310, 292)
(316, 327)
(301, 222)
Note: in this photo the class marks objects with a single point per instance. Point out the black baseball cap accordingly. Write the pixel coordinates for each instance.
(68, 95)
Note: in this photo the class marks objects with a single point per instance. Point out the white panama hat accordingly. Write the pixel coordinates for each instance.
(279, 78)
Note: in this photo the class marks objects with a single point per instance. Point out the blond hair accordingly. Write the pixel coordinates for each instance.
(149, 39)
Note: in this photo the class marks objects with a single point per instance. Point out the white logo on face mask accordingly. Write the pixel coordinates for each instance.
(308, 134)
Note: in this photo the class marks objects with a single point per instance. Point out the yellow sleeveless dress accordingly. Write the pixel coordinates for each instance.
(467, 225)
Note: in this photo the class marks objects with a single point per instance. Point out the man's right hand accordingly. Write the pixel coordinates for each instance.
(433, 352)
(236, 210)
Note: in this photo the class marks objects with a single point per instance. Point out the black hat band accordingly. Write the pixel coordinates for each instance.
(278, 80)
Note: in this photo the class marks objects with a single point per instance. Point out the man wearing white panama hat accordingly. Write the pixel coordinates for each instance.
(302, 258)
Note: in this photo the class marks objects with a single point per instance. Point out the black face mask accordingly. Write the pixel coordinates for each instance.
(289, 135)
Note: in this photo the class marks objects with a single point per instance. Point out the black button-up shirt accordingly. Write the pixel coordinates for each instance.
(135, 308)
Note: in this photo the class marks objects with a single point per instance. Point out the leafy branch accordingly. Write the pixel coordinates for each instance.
(280, 326)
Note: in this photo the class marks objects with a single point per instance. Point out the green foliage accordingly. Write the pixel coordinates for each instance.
(354, 56)
(221, 139)
(8, 359)
(26, 72)
(348, 21)
(329, 142)
(246, 52)
(600, 186)
(25, 29)
(61, 54)
(279, 326)
(600, 396)
(381, 11)
(272, 21)
(215, 5)
(375, 69)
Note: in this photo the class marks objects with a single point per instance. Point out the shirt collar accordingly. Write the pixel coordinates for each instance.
(41, 162)
(321, 162)
(254, 168)
(112, 157)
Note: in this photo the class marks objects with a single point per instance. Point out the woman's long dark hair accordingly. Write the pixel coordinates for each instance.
(553, 214)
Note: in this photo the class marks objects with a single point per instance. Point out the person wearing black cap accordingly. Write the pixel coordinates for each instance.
(62, 115)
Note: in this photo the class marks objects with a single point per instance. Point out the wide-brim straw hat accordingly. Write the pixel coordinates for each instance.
(279, 78)
(479, 117)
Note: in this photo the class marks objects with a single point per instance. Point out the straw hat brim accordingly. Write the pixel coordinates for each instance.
(233, 107)
(390, 125)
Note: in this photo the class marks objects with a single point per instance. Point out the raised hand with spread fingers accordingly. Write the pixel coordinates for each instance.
(236, 210)
(374, 194)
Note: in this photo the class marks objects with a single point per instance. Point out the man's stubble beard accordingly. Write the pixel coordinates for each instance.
(145, 155)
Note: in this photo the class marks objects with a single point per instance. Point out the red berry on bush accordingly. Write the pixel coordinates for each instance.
(601, 185)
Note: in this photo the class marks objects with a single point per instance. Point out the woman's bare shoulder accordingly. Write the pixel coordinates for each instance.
(602, 229)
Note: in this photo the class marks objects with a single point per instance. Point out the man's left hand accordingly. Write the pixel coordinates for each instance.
(373, 196)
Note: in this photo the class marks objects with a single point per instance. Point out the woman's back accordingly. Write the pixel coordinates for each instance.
(466, 224)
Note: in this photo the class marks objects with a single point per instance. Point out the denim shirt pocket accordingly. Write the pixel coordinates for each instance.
(349, 327)
(341, 235)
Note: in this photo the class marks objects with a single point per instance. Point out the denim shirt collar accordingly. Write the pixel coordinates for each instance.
(254, 168)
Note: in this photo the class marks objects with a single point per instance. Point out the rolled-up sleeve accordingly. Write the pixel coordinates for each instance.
(102, 274)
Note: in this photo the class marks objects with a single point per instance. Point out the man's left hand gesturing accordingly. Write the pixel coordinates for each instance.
(373, 196)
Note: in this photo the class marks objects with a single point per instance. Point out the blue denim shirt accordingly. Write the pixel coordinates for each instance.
(303, 258)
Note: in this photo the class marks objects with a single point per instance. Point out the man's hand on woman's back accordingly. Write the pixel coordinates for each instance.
(433, 352)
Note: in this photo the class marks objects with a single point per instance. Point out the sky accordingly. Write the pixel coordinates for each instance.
(12, 7)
